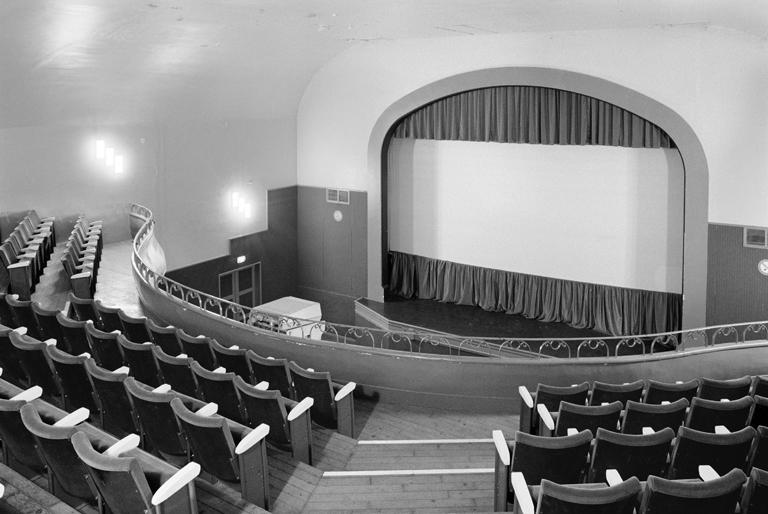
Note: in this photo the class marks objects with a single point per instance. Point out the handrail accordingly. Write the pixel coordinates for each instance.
(415, 341)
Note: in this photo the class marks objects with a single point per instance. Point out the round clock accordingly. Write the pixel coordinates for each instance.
(762, 266)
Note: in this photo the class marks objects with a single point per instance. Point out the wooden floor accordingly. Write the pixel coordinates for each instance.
(442, 472)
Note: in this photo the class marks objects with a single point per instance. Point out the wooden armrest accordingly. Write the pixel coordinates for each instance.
(20, 330)
(33, 393)
(300, 408)
(73, 418)
(665, 402)
(523, 498)
(50, 342)
(2, 490)
(253, 437)
(234, 347)
(85, 354)
(262, 386)
(678, 382)
(571, 431)
(525, 395)
(721, 429)
(648, 431)
(174, 484)
(84, 274)
(220, 369)
(612, 477)
(311, 369)
(344, 391)
(270, 358)
(707, 473)
(546, 416)
(126, 444)
(123, 369)
(209, 409)
(182, 356)
(724, 400)
(162, 388)
(502, 449)
(115, 332)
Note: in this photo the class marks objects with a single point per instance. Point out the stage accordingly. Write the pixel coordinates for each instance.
(460, 320)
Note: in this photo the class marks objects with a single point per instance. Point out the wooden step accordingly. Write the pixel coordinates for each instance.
(431, 493)
(330, 450)
(422, 456)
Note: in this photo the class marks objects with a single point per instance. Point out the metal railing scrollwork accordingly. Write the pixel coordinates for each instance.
(148, 261)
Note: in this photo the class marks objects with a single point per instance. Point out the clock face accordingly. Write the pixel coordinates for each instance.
(762, 266)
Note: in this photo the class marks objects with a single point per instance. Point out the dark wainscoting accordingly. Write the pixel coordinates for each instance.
(274, 247)
(736, 291)
(332, 255)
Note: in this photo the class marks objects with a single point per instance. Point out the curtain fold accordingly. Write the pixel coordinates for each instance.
(530, 114)
(609, 309)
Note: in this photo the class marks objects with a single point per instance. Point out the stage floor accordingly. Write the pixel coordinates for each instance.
(468, 320)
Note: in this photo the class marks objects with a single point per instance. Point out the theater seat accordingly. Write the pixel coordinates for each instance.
(134, 329)
(533, 456)
(233, 359)
(631, 455)
(22, 313)
(47, 323)
(657, 392)
(226, 451)
(73, 331)
(18, 443)
(53, 443)
(598, 499)
(550, 397)
(112, 399)
(164, 337)
(125, 487)
(81, 309)
(755, 497)
(719, 496)
(219, 388)
(104, 347)
(72, 379)
(655, 416)
(9, 358)
(288, 430)
(197, 348)
(603, 392)
(274, 371)
(157, 421)
(141, 360)
(108, 319)
(723, 452)
(334, 405)
(711, 389)
(32, 357)
(176, 371)
(581, 417)
(705, 415)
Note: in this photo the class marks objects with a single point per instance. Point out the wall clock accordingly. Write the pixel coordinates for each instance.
(762, 266)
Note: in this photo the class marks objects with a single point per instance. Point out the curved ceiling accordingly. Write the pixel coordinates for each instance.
(115, 61)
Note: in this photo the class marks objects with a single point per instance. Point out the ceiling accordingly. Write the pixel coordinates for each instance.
(121, 61)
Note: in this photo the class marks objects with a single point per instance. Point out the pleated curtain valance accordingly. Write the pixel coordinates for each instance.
(612, 310)
(530, 114)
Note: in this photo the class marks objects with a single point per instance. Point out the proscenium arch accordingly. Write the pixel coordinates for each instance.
(696, 175)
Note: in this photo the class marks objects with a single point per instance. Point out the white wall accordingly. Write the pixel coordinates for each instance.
(183, 172)
(604, 215)
(714, 78)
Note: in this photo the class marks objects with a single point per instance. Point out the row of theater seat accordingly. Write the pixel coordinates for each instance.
(25, 252)
(121, 398)
(82, 257)
(643, 397)
(716, 439)
(44, 439)
(196, 366)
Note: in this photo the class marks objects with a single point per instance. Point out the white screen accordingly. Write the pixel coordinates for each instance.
(598, 214)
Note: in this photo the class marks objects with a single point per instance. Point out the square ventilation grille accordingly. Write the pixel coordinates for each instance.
(337, 196)
(756, 237)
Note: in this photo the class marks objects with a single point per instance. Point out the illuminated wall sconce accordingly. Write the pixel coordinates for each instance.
(240, 259)
(109, 156)
(241, 205)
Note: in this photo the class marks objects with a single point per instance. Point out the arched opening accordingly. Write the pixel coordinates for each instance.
(691, 153)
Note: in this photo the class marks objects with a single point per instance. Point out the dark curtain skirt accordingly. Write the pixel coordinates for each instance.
(613, 310)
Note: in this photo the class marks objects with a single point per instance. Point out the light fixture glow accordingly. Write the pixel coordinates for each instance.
(235, 198)
(248, 210)
(119, 165)
(99, 149)
(240, 259)
(109, 156)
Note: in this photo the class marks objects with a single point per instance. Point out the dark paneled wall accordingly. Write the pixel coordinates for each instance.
(736, 291)
(332, 255)
(274, 247)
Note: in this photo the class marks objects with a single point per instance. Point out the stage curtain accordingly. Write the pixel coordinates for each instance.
(530, 114)
(608, 309)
